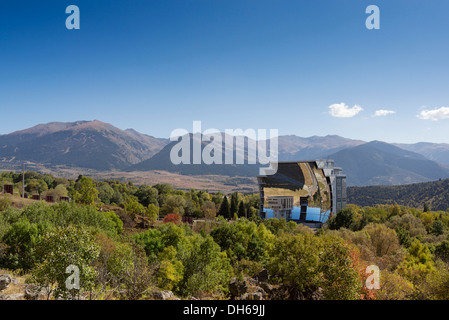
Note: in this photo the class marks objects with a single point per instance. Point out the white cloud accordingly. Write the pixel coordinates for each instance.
(341, 110)
(434, 114)
(383, 113)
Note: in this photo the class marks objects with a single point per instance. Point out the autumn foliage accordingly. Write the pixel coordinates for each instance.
(172, 217)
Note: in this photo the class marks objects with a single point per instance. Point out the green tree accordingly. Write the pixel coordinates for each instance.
(132, 206)
(37, 185)
(60, 249)
(242, 210)
(209, 210)
(345, 218)
(152, 212)
(170, 270)
(22, 239)
(225, 211)
(174, 204)
(234, 203)
(418, 262)
(206, 268)
(437, 228)
(105, 192)
(147, 195)
(86, 191)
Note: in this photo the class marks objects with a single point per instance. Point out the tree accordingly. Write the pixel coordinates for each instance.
(344, 219)
(242, 210)
(152, 212)
(418, 262)
(225, 211)
(172, 217)
(426, 207)
(384, 240)
(170, 270)
(209, 210)
(340, 277)
(132, 206)
(57, 193)
(234, 203)
(86, 191)
(147, 195)
(105, 192)
(174, 204)
(22, 239)
(37, 185)
(438, 228)
(305, 262)
(206, 268)
(59, 250)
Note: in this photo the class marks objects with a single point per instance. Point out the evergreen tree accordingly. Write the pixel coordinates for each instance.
(234, 203)
(224, 209)
(242, 210)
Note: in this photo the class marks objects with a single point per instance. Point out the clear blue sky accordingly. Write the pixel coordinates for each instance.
(158, 65)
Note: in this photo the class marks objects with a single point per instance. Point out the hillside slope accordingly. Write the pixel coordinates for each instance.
(87, 144)
(434, 193)
(380, 163)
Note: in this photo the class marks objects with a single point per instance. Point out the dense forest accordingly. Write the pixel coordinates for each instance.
(435, 195)
(134, 242)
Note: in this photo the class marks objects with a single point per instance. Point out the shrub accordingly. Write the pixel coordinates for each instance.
(172, 217)
(5, 203)
(59, 249)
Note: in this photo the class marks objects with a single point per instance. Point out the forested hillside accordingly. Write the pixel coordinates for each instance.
(434, 194)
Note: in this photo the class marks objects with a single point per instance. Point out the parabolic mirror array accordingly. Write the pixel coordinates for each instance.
(303, 191)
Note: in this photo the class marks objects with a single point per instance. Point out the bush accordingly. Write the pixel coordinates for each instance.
(22, 239)
(172, 217)
(206, 269)
(59, 249)
(5, 202)
(306, 262)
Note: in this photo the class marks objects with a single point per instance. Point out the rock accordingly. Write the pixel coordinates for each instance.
(234, 287)
(163, 295)
(318, 294)
(5, 281)
(262, 276)
(268, 288)
(32, 292)
(246, 289)
(252, 296)
(15, 296)
(192, 298)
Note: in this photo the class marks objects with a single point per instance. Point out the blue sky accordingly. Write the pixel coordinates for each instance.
(157, 65)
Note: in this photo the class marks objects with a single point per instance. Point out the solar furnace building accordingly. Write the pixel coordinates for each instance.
(302, 191)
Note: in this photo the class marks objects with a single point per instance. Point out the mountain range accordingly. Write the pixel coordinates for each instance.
(101, 146)
(86, 144)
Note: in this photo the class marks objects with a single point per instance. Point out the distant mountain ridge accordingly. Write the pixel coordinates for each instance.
(380, 163)
(87, 144)
(438, 152)
(101, 146)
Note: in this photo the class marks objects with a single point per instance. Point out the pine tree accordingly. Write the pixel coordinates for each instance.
(242, 210)
(234, 203)
(224, 209)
